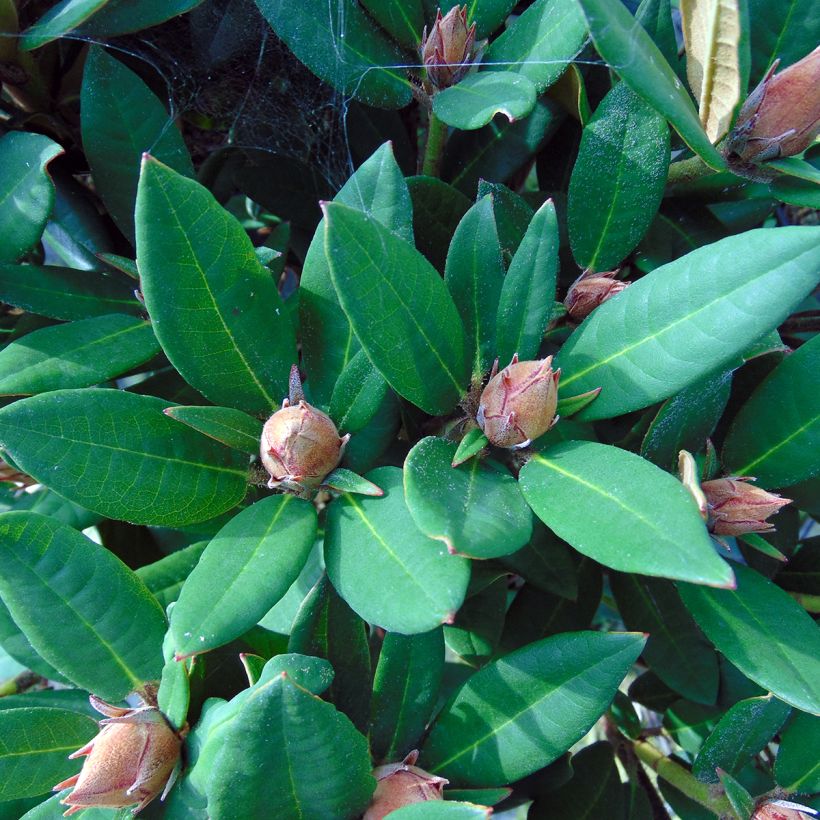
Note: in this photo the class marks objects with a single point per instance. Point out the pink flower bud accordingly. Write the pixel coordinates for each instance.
(590, 290)
(447, 52)
(130, 761)
(782, 810)
(401, 784)
(519, 403)
(736, 507)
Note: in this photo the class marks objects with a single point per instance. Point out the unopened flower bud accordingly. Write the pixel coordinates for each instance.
(447, 51)
(591, 289)
(780, 118)
(782, 810)
(518, 404)
(300, 446)
(401, 784)
(735, 506)
(130, 761)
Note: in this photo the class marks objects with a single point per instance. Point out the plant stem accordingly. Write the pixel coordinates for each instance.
(686, 170)
(436, 137)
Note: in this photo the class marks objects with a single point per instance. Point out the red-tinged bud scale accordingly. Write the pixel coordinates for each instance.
(447, 50)
(518, 404)
(735, 507)
(783, 810)
(591, 289)
(402, 784)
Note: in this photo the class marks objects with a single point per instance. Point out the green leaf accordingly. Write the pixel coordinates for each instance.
(78, 354)
(405, 689)
(65, 293)
(764, 633)
(164, 578)
(115, 453)
(474, 509)
(474, 275)
(346, 481)
(622, 511)
(215, 309)
(34, 749)
(399, 309)
(529, 289)
(357, 59)
(16, 645)
(474, 442)
(484, 797)
(372, 544)
(474, 101)
(540, 43)
(174, 693)
(402, 19)
(523, 711)
(121, 118)
(232, 427)
(512, 216)
(358, 394)
(26, 191)
(742, 803)
(476, 632)
(442, 810)
(629, 50)
(58, 21)
(251, 561)
(686, 319)
(618, 180)
(740, 734)
(776, 434)
(80, 607)
(123, 16)
(487, 15)
(797, 767)
(570, 405)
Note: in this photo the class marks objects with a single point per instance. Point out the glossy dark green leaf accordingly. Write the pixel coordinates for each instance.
(797, 767)
(442, 810)
(174, 693)
(475, 509)
(786, 32)
(529, 288)
(776, 434)
(622, 511)
(58, 21)
(164, 578)
(358, 394)
(741, 733)
(372, 544)
(346, 481)
(405, 687)
(65, 293)
(762, 631)
(121, 118)
(116, 453)
(252, 561)
(356, 58)
(656, 17)
(17, 646)
(123, 16)
(530, 707)
(26, 191)
(474, 275)
(399, 309)
(689, 724)
(215, 309)
(402, 19)
(78, 354)
(545, 563)
(570, 405)
(34, 749)
(328, 343)
(474, 442)
(232, 427)
(484, 797)
(541, 42)
(80, 607)
(474, 101)
(629, 50)
(475, 634)
(688, 318)
(513, 215)
(676, 650)
(608, 213)
(742, 803)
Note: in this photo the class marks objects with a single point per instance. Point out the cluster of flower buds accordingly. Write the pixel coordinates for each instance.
(735, 507)
(447, 50)
(130, 761)
(401, 784)
(591, 289)
(518, 404)
(780, 118)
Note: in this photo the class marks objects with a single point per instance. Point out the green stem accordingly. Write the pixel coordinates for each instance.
(686, 170)
(436, 137)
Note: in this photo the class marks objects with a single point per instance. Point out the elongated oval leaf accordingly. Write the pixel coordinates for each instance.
(787, 32)
(122, 16)
(358, 394)
(776, 434)
(59, 20)
(402, 19)
(372, 544)
(399, 309)
(622, 511)
(474, 101)
(116, 453)
(80, 607)
(688, 318)
(164, 578)
(231, 427)
(608, 213)
(797, 767)
(252, 561)
(521, 712)
(78, 354)
(444, 810)
(215, 309)
(764, 633)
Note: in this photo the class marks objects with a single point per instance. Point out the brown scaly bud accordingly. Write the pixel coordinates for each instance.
(591, 289)
(782, 810)
(447, 51)
(518, 404)
(130, 761)
(401, 784)
(736, 507)
(780, 118)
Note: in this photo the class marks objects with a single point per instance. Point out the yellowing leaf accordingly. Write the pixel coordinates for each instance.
(711, 32)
